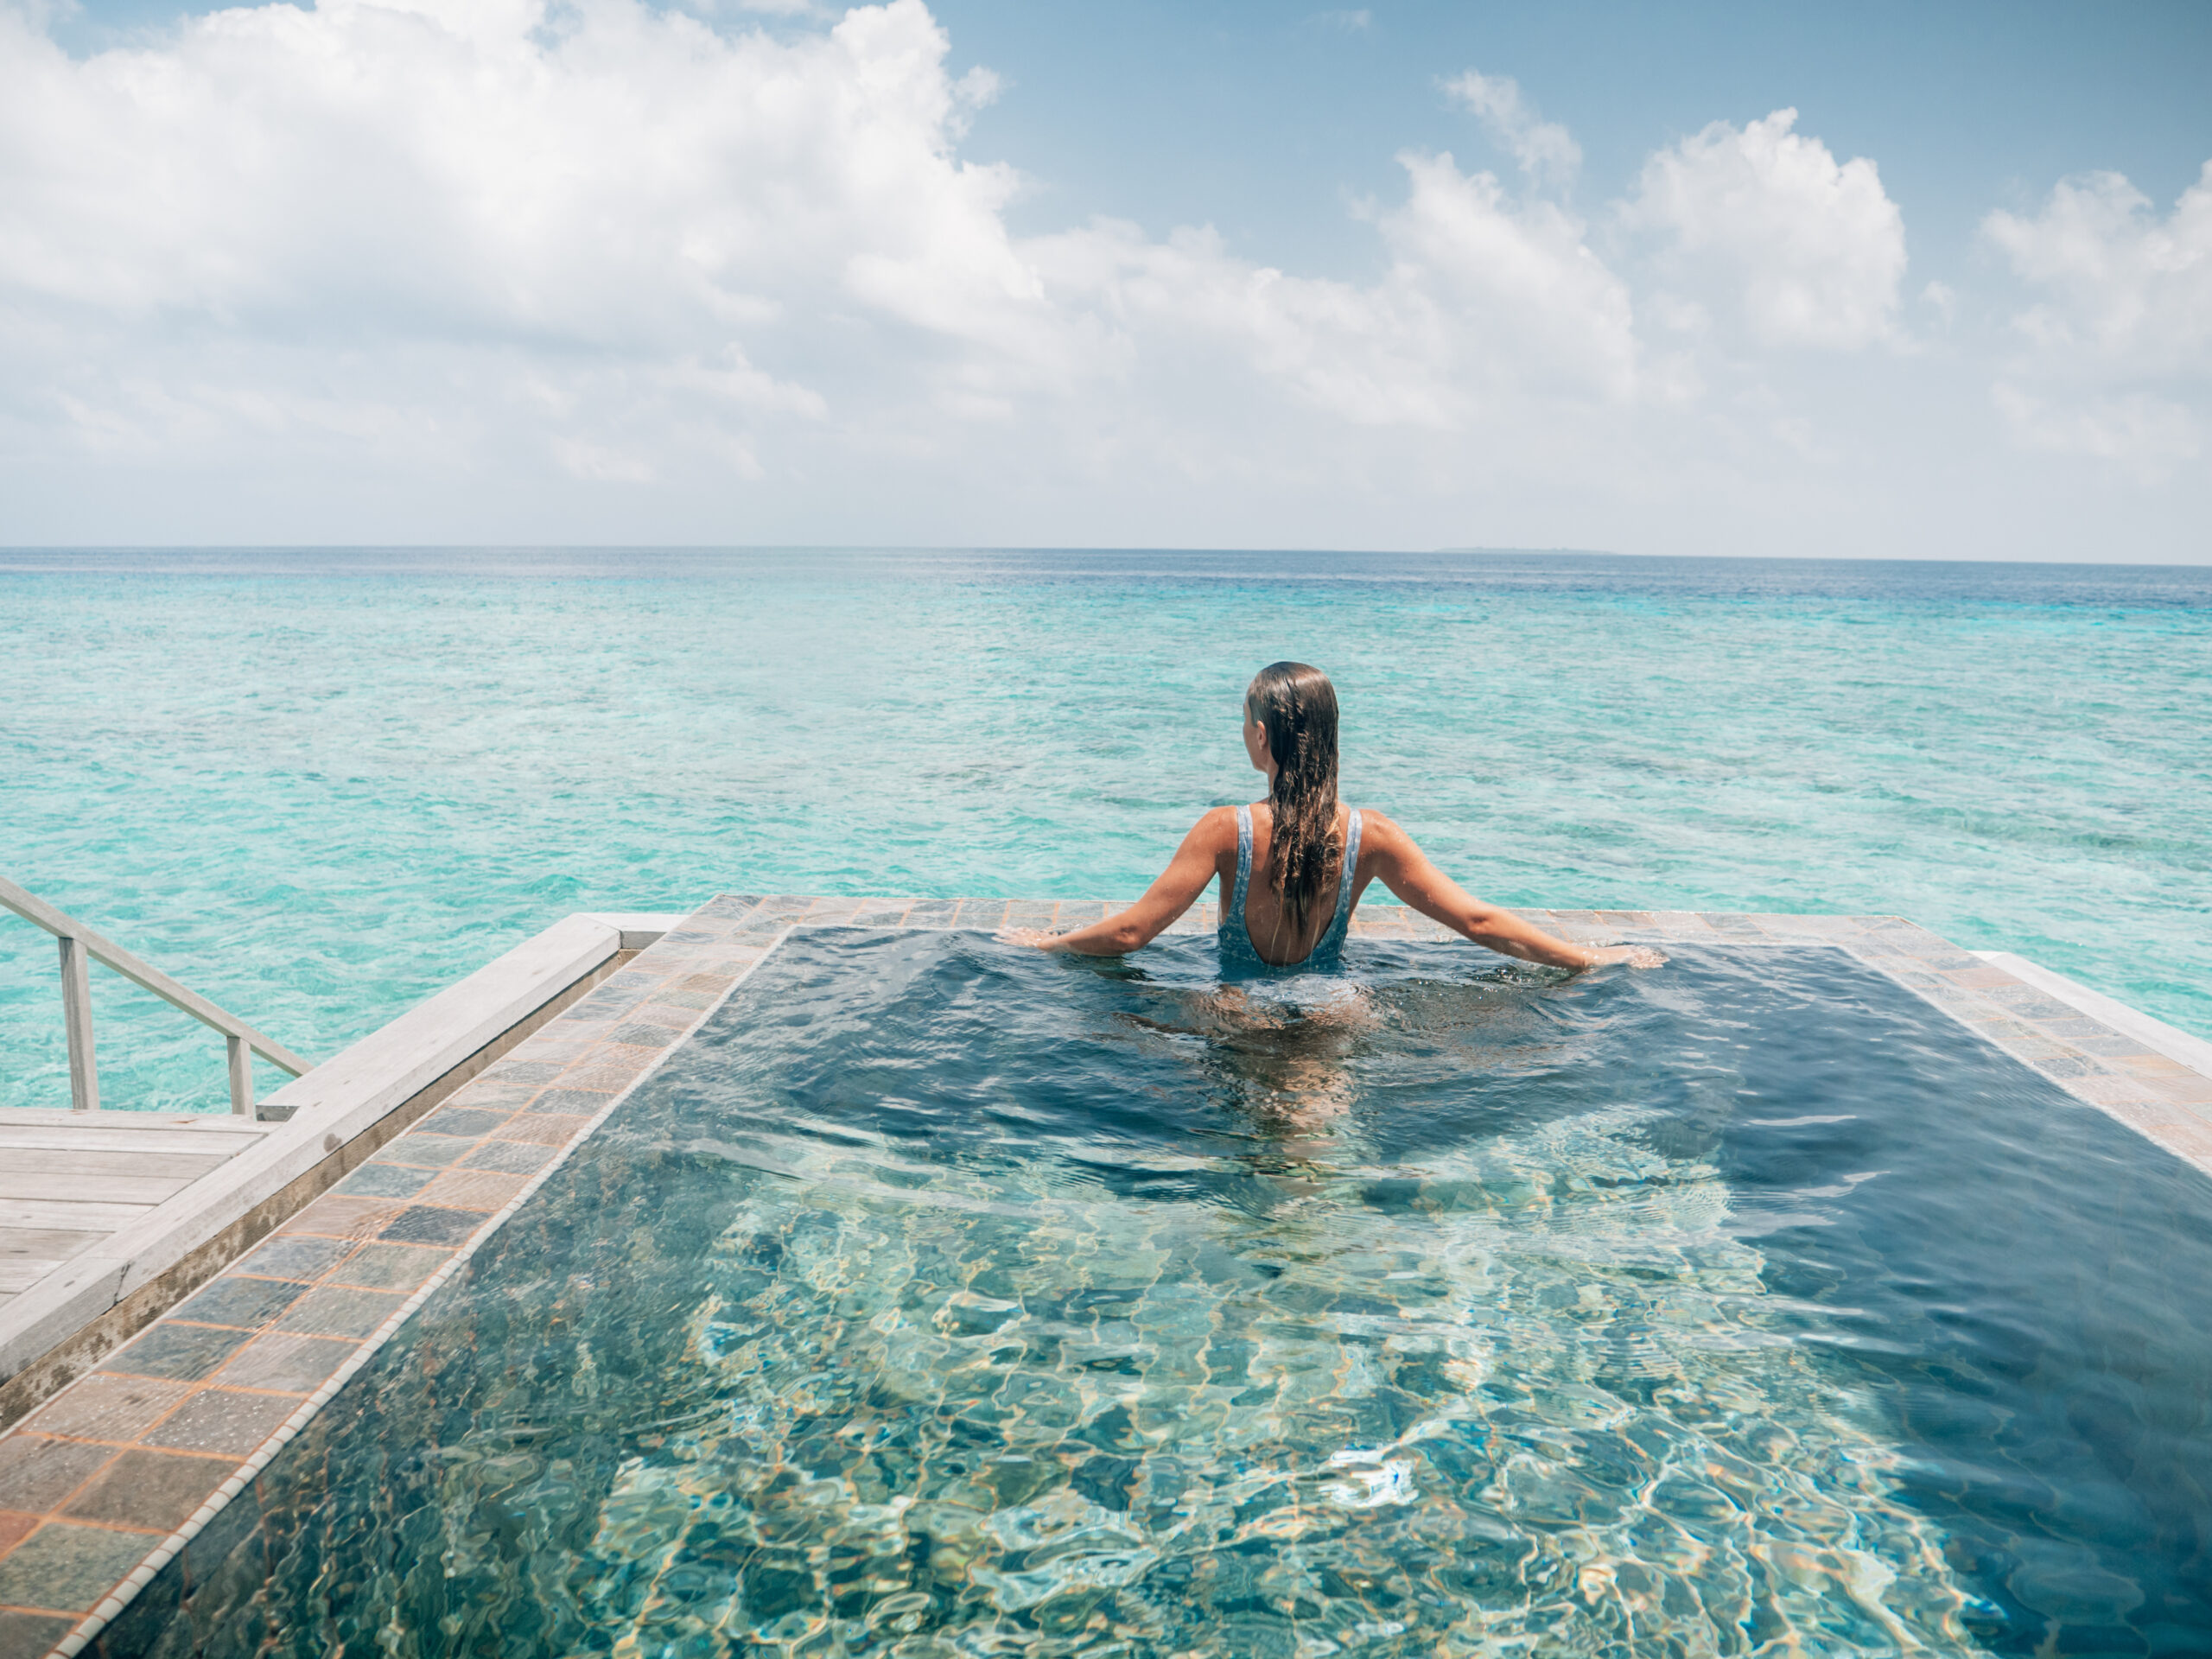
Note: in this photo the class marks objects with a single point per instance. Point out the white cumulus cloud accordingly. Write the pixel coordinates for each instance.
(2119, 284)
(1810, 250)
(2115, 344)
(490, 270)
(1547, 152)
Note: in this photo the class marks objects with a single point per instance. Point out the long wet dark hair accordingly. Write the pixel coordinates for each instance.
(1298, 707)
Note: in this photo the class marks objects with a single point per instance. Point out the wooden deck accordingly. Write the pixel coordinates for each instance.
(70, 1181)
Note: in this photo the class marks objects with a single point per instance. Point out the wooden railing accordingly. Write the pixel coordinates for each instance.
(80, 946)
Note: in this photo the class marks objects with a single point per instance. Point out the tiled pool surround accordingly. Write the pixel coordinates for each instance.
(115, 1494)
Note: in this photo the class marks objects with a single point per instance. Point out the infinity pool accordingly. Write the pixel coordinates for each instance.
(942, 1298)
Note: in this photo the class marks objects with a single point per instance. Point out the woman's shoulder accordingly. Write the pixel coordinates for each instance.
(1379, 831)
(1215, 824)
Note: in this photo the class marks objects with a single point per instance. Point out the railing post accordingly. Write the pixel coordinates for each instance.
(77, 1015)
(241, 1077)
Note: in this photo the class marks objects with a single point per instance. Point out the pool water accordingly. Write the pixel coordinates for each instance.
(941, 1297)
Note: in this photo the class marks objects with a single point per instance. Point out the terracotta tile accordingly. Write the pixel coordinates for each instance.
(185, 1352)
(392, 1267)
(156, 1490)
(599, 1077)
(2185, 1093)
(15, 1528)
(472, 1189)
(37, 1474)
(418, 1150)
(342, 1310)
(67, 1569)
(217, 1420)
(426, 1224)
(335, 1216)
(544, 1131)
(286, 1363)
(101, 1408)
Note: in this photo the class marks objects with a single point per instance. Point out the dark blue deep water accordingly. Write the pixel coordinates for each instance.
(942, 1298)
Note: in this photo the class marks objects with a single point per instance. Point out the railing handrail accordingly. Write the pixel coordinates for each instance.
(74, 933)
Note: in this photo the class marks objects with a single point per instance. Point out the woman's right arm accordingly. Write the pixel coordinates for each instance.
(1179, 887)
(1407, 871)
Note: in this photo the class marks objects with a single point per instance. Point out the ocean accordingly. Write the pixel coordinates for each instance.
(317, 786)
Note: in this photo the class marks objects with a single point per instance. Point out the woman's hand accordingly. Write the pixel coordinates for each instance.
(1042, 938)
(1635, 955)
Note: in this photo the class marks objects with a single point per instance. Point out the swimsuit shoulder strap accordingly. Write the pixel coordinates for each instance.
(1341, 922)
(1243, 864)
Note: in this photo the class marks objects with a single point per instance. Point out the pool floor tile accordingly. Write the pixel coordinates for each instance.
(67, 1569)
(154, 1489)
(219, 1420)
(102, 1407)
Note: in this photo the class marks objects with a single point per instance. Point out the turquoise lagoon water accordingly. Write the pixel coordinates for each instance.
(319, 786)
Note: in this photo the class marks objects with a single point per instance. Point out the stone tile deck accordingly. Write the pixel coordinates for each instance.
(116, 1491)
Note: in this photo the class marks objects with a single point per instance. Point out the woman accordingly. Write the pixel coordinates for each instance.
(1292, 867)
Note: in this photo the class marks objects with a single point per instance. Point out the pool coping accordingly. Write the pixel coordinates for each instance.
(144, 1474)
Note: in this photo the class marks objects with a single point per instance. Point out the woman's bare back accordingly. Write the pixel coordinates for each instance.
(1266, 919)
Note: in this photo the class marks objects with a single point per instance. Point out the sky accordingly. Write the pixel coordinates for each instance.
(1885, 280)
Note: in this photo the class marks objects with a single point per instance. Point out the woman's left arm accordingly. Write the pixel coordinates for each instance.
(1178, 888)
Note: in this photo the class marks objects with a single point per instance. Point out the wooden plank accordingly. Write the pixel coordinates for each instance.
(125, 1116)
(45, 1243)
(74, 1217)
(101, 1137)
(21, 1273)
(77, 1016)
(124, 1163)
(91, 1187)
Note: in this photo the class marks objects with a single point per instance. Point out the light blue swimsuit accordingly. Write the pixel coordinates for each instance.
(1237, 955)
